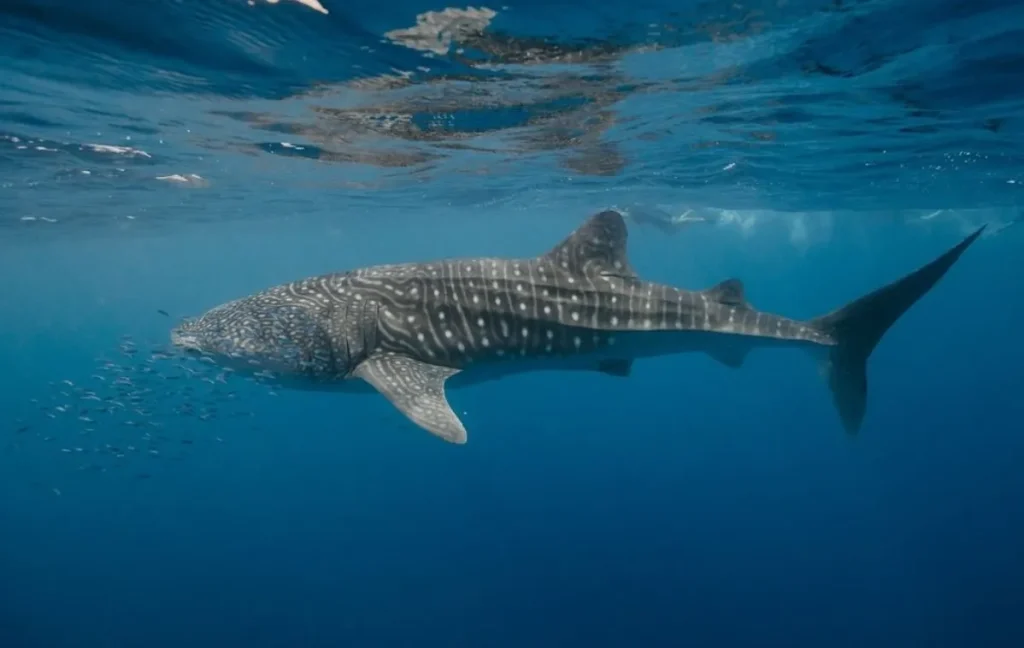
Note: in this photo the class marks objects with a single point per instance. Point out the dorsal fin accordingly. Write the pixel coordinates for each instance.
(729, 292)
(597, 247)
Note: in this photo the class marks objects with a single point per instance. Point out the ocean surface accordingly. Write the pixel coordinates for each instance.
(158, 158)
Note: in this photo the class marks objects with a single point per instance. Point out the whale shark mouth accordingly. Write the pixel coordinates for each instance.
(185, 341)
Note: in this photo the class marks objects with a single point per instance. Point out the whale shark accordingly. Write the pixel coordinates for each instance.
(410, 331)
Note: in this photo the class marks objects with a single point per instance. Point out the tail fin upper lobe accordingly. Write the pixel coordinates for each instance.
(858, 327)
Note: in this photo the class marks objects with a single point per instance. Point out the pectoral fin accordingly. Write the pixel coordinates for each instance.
(417, 390)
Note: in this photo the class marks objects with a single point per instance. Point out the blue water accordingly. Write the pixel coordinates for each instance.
(159, 158)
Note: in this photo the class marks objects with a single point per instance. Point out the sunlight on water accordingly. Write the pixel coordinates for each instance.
(795, 107)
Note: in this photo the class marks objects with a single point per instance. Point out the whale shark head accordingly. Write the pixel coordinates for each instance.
(256, 335)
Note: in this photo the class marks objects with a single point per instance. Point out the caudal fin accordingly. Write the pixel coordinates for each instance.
(858, 327)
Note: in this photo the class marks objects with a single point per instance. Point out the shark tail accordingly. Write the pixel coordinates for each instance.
(858, 327)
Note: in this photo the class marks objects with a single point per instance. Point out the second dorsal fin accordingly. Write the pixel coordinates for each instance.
(597, 247)
(729, 292)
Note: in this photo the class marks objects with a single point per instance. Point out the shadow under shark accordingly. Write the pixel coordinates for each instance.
(407, 330)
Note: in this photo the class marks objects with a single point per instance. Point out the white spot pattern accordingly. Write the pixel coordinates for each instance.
(325, 325)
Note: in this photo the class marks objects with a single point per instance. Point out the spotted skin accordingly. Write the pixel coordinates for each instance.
(407, 329)
(456, 313)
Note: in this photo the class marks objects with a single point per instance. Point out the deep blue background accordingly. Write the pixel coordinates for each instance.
(690, 504)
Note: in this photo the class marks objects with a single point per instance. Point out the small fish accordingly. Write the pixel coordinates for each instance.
(163, 312)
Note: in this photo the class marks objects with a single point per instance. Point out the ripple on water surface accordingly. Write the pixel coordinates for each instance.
(801, 106)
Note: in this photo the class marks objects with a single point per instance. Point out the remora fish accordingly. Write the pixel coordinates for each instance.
(407, 329)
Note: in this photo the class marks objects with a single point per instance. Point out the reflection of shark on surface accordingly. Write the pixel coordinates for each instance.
(998, 222)
(1002, 227)
(667, 223)
(410, 330)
